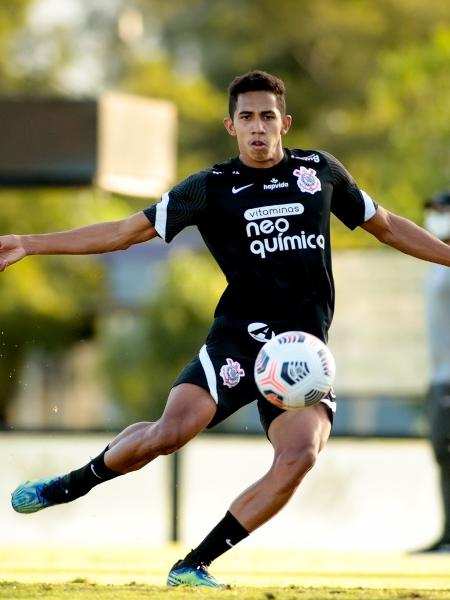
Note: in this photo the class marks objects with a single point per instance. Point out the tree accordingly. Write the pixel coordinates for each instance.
(12, 16)
(332, 56)
(48, 303)
(145, 351)
(406, 123)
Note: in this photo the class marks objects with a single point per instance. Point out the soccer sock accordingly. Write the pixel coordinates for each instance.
(226, 534)
(79, 482)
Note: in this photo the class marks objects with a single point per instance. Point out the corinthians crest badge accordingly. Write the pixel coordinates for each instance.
(231, 373)
(307, 180)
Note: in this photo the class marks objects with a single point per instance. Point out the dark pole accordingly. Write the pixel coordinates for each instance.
(175, 497)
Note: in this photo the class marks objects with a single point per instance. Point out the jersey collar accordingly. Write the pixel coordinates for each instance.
(242, 168)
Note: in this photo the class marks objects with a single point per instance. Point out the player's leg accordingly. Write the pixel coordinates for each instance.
(188, 410)
(439, 423)
(297, 438)
(440, 439)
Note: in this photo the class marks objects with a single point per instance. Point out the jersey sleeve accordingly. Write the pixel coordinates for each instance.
(179, 208)
(349, 203)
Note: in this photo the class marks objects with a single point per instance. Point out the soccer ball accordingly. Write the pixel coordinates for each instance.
(294, 370)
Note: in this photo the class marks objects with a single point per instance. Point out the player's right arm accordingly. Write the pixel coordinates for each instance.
(92, 239)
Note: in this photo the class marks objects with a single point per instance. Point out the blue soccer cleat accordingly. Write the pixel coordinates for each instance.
(193, 576)
(37, 494)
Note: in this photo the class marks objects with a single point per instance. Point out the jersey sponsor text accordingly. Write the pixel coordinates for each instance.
(259, 225)
(282, 243)
(275, 184)
(277, 210)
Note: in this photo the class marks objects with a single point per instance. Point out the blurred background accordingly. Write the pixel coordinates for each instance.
(103, 106)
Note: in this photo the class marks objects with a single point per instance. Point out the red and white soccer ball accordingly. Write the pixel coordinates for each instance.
(294, 370)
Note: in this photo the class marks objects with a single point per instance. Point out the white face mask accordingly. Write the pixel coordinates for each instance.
(438, 223)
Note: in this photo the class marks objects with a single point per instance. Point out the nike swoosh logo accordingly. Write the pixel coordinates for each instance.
(93, 470)
(228, 541)
(236, 190)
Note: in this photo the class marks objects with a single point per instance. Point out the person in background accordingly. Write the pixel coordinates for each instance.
(437, 300)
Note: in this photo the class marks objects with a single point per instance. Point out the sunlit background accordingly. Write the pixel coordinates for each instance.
(90, 344)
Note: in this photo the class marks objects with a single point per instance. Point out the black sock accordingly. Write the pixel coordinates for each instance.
(226, 534)
(79, 482)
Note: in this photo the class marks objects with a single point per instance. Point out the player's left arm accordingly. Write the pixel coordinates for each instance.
(406, 236)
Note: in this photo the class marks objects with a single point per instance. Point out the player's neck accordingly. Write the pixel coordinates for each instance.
(263, 163)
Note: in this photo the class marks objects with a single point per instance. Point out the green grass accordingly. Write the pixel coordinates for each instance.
(78, 590)
(122, 574)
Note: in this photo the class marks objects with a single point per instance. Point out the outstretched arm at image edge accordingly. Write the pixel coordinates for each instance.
(406, 236)
(92, 239)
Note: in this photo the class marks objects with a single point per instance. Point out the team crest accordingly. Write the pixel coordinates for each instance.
(307, 180)
(231, 373)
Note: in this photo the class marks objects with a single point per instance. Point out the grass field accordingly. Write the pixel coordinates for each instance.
(107, 574)
(90, 591)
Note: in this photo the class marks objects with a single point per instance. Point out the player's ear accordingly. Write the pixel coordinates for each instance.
(286, 124)
(229, 126)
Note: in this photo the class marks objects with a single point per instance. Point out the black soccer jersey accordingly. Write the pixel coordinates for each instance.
(269, 231)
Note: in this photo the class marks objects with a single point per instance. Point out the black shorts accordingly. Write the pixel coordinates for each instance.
(224, 367)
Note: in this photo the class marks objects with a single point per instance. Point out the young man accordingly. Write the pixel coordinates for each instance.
(264, 216)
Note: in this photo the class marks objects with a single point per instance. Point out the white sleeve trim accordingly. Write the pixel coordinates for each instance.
(210, 373)
(369, 206)
(161, 216)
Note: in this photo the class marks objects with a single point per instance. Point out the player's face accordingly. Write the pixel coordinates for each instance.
(258, 126)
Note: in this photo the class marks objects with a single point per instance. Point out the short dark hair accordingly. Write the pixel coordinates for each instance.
(256, 81)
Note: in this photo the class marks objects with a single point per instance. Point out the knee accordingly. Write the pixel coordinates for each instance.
(292, 464)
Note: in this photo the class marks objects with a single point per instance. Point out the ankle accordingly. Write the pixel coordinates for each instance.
(192, 559)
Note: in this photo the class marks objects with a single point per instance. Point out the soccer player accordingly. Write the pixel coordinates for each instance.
(264, 216)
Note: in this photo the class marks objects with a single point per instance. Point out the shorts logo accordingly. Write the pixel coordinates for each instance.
(231, 373)
(307, 180)
(260, 332)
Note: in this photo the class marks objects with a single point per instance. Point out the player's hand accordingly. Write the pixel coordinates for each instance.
(11, 250)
